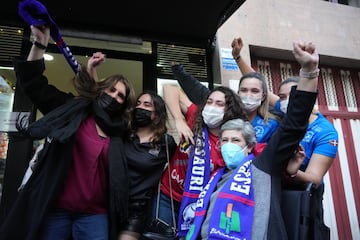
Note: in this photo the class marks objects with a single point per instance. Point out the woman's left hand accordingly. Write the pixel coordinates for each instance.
(296, 161)
(95, 60)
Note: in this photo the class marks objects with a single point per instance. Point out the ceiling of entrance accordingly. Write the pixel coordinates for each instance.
(186, 21)
(133, 23)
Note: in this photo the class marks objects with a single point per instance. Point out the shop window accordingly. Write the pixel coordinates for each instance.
(193, 59)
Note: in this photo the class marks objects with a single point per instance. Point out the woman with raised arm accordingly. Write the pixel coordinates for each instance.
(242, 200)
(147, 150)
(196, 160)
(320, 145)
(80, 186)
(252, 90)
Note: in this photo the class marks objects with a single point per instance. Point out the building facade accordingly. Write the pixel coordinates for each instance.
(268, 29)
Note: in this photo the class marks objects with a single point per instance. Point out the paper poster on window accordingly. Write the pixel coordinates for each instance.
(227, 60)
(234, 84)
(8, 120)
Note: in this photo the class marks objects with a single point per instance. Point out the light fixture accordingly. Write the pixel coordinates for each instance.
(6, 68)
(48, 57)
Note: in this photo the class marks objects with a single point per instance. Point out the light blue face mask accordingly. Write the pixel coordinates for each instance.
(232, 154)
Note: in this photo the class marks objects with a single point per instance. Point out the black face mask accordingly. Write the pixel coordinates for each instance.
(109, 104)
(141, 117)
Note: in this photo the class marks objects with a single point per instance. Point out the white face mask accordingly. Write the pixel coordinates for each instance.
(251, 103)
(283, 105)
(212, 116)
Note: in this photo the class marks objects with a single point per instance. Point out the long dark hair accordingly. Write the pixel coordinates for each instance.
(158, 125)
(234, 108)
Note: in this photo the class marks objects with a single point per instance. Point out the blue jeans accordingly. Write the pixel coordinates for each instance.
(62, 225)
(165, 211)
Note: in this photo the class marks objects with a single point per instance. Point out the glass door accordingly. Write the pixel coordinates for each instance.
(6, 103)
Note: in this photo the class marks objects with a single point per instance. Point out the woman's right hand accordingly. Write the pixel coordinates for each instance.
(306, 55)
(184, 131)
(41, 34)
(237, 45)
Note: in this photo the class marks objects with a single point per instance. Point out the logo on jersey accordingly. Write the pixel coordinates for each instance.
(308, 136)
(259, 131)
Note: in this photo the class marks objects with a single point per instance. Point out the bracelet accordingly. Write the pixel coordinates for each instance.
(237, 59)
(291, 175)
(309, 75)
(39, 45)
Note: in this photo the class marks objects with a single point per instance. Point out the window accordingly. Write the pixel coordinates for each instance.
(349, 90)
(329, 88)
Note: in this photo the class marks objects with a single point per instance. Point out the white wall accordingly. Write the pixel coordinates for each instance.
(334, 28)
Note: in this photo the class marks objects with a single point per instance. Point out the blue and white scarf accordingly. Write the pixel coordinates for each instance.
(232, 214)
(197, 176)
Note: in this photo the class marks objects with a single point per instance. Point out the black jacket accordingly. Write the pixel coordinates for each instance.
(28, 213)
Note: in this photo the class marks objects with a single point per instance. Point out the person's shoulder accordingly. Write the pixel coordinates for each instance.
(322, 118)
(131, 139)
(322, 130)
(325, 123)
(170, 138)
(191, 113)
(273, 121)
(193, 107)
(275, 112)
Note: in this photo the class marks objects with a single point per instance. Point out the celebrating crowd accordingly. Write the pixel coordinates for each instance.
(106, 153)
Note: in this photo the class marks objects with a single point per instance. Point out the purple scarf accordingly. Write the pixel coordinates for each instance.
(35, 13)
(232, 214)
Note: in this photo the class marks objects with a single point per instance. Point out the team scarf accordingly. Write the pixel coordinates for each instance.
(35, 13)
(197, 176)
(233, 211)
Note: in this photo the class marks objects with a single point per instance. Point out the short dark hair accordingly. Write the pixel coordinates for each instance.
(292, 79)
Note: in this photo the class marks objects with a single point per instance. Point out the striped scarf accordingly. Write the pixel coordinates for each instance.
(197, 176)
(232, 214)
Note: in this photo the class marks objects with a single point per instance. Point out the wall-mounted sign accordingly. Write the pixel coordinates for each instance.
(227, 60)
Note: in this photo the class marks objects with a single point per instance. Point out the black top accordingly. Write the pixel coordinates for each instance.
(145, 165)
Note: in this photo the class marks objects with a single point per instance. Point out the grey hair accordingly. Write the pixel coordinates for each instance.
(244, 127)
